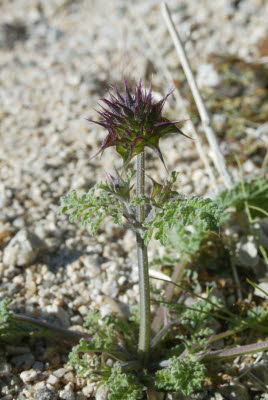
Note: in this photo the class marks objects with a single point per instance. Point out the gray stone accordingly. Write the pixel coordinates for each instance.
(261, 372)
(247, 252)
(67, 393)
(264, 286)
(101, 393)
(5, 367)
(23, 249)
(45, 394)
(11, 33)
(234, 392)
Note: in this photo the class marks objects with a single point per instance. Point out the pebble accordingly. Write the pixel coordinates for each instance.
(67, 393)
(247, 252)
(28, 376)
(235, 391)
(101, 393)
(45, 394)
(59, 372)
(23, 249)
(52, 380)
(264, 286)
(5, 367)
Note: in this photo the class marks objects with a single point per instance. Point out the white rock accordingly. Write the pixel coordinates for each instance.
(22, 249)
(247, 252)
(207, 76)
(263, 286)
(28, 376)
(101, 393)
(59, 372)
(67, 393)
(52, 380)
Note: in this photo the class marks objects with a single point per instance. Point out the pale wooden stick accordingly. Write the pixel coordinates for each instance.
(163, 70)
(217, 155)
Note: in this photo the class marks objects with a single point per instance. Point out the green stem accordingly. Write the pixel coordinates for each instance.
(247, 209)
(145, 315)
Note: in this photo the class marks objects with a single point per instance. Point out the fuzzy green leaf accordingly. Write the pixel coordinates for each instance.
(92, 207)
(4, 313)
(123, 386)
(172, 222)
(256, 194)
(181, 376)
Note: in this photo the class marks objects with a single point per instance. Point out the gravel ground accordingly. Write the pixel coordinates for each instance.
(57, 58)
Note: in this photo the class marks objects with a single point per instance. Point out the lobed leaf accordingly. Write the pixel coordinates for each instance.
(181, 376)
(256, 194)
(123, 386)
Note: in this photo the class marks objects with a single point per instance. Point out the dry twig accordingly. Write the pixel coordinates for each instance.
(217, 155)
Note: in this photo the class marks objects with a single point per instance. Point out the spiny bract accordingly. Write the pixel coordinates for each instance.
(134, 121)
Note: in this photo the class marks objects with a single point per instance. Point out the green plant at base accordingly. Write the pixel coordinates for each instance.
(110, 353)
(133, 123)
(122, 386)
(181, 375)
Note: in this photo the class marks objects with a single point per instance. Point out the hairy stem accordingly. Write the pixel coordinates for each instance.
(145, 317)
(49, 329)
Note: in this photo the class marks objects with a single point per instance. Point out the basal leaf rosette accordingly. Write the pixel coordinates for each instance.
(134, 121)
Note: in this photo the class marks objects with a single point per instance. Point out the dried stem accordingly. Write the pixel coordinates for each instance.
(217, 155)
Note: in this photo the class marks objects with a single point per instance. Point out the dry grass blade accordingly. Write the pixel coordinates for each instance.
(217, 155)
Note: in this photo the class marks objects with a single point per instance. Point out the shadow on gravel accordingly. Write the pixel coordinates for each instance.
(61, 258)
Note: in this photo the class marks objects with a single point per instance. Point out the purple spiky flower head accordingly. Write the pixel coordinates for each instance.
(134, 121)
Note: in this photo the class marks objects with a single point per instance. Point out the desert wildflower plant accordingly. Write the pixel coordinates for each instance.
(134, 122)
(136, 357)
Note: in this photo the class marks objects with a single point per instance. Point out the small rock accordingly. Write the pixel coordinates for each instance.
(7, 397)
(76, 320)
(207, 76)
(92, 263)
(59, 372)
(4, 231)
(45, 394)
(52, 380)
(83, 310)
(11, 33)
(247, 252)
(89, 389)
(263, 286)
(28, 376)
(234, 392)
(261, 372)
(69, 376)
(38, 366)
(219, 122)
(101, 393)
(67, 393)
(218, 396)
(22, 249)
(80, 396)
(5, 367)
